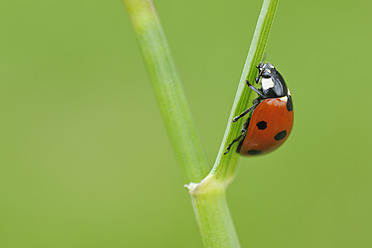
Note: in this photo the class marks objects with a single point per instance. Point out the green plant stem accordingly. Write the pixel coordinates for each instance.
(168, 90)
(213, 216)
(208, 196)
(225, 167)
(206, 193)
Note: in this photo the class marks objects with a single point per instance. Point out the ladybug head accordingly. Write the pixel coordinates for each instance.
(266, 70)
(272, 82)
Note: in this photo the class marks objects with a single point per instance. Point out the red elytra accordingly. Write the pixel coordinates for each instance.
(269, 126)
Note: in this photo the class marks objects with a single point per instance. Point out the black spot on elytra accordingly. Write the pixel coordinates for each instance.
(262, 125)
(289, 103)
(280, 135)
(254, 152)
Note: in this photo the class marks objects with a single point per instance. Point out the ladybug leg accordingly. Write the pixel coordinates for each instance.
(235, 140)
(242, 133)
(256, 90)
(260, 68)
(257, 79)
(255, 104)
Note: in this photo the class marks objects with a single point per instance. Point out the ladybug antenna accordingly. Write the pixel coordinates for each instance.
(264, 57)
(262, 63)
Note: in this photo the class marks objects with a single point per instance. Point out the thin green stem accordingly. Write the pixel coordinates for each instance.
(168, 89)
(225, 166)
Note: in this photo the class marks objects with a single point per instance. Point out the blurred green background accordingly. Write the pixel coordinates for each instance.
(85, 159)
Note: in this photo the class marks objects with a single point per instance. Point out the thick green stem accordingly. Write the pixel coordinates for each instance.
(168, 89)
(213, 215)
(215, 222)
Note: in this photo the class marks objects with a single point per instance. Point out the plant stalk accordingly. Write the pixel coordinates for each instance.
(208, 193)
(226, 166)
(168, 90)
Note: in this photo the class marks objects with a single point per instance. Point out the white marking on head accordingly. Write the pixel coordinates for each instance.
(267, 83)
(271, 66)
(289, 93)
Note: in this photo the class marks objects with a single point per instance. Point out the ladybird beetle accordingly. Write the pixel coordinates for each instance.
(271, 115)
